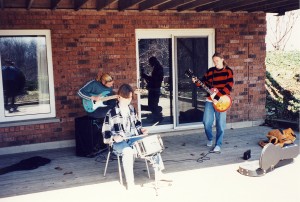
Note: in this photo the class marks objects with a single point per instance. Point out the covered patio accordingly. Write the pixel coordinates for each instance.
(197, 174)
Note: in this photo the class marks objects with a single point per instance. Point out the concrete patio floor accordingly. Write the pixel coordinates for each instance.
(212, 180)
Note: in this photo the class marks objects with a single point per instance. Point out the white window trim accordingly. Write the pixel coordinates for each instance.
(52, 113)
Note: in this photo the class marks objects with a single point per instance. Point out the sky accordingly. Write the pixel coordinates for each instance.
(293, 43)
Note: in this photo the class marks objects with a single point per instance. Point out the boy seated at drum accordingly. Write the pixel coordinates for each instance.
(120, 128)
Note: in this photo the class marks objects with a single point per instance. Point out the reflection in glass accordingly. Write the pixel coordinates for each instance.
(25, 78)
(155, 68)
(192, 53)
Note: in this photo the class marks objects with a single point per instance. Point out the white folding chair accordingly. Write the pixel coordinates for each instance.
(111, 150)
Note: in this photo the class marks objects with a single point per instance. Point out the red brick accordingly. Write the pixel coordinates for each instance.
(88, 41)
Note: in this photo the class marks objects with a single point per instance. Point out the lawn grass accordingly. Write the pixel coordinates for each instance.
(282, 84)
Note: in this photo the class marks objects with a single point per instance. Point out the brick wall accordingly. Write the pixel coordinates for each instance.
(85, 41)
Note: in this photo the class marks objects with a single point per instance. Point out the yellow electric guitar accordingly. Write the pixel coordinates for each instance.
(225, 101)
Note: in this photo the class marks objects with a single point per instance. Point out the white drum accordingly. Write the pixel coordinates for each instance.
(149, 145)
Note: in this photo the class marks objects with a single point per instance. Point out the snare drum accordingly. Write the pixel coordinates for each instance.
(148, 145)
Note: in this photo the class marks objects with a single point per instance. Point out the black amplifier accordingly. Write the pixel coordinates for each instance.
(88, 136)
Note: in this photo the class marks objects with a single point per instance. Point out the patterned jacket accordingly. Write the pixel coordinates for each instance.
(113, 124)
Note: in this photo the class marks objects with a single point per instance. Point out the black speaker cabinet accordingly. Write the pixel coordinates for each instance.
(89, 139)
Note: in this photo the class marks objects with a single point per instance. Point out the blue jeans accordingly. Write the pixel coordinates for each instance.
(119, 146)
(208, 119)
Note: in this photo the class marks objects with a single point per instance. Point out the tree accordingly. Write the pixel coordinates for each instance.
(281, 27)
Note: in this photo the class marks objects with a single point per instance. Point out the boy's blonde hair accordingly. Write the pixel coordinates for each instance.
(105, 78)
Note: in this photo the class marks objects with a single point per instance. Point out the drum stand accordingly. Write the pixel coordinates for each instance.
(156, 180)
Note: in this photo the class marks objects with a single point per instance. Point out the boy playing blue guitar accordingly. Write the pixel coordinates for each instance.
(98, 96)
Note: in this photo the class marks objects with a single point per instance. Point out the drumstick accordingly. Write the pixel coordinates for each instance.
(127, 138)
(154, 124)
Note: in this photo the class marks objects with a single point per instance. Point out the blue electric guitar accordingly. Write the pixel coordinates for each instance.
(90, 105)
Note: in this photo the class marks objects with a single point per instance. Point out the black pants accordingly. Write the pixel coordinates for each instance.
(100, 112)
(153, 100)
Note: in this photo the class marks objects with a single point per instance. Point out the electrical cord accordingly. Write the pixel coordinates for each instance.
(203, 157)
(101, 157)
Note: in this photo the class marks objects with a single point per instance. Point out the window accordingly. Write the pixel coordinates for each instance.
(26, 79)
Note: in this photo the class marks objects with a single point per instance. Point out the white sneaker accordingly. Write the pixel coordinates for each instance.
(217, 149)
(209, 143)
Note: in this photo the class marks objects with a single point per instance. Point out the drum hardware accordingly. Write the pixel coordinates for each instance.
(157, 184)
(148, 146)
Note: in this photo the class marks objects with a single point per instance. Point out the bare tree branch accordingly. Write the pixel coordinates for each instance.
(281, 32)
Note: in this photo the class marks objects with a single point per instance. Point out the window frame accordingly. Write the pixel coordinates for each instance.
(52, 113)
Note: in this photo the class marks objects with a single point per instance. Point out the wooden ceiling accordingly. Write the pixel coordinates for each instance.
(266, 6)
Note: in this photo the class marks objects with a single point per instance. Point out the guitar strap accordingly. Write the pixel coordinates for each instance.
(281, 130)
(212, 83)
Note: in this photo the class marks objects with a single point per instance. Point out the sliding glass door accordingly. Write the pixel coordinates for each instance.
(170, 100)
(191, 53)
(155, 81)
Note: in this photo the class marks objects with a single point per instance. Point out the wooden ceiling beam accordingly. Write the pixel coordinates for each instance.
(173, 4)
(2, 4)
(294, 6)
(291, 7)
(279, 6)
(151, 3)
(124, 4)
(273, 6)
(54, 4)
(101, 4)
(230, 5)
(78, 4)
(238, 6)
(194, 4)
(29, 4)
(256, 5)
(225, 5)
(206, 7)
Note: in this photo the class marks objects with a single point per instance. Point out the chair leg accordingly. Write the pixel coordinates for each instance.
(119, 167)
(147, 168)
(106, 164)
(120, 170)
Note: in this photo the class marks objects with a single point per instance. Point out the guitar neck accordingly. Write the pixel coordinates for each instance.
(204, 86)
(109, 98)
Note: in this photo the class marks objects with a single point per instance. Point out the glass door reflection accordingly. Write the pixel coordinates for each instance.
(191, 53)
(155, 81)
